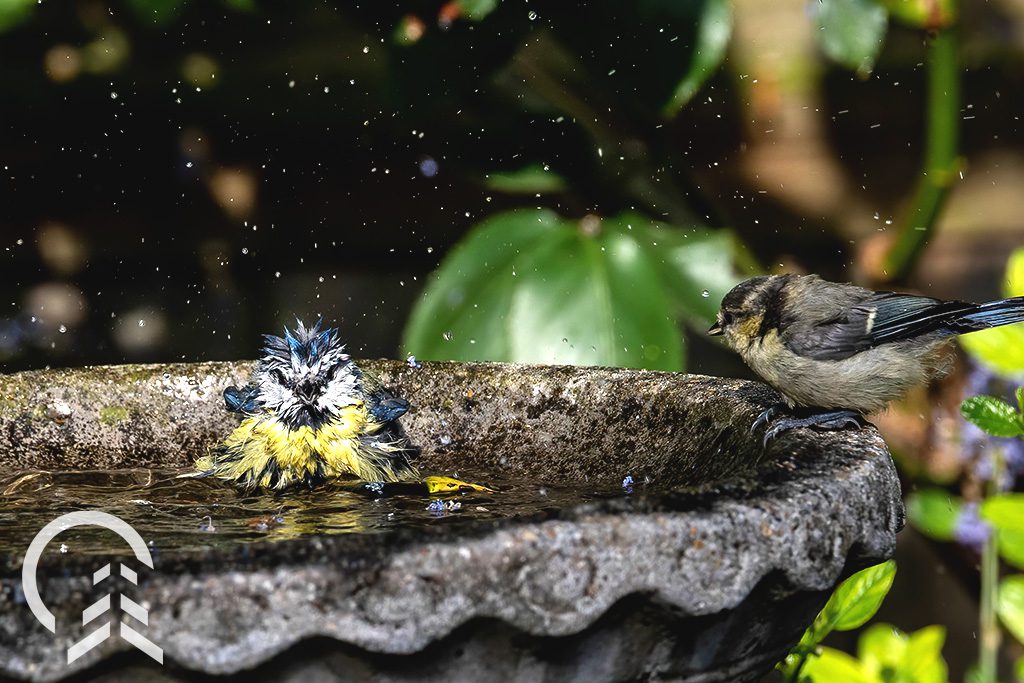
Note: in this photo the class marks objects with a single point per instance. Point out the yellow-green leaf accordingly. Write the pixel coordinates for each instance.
(833, 665)
(854, 602)
(1005, 511)
(934, 512)
(1010, 605)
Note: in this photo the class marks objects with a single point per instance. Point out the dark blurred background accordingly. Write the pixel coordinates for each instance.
(179, 177)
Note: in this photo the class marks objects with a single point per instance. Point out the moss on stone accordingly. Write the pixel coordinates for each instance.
(112, 415)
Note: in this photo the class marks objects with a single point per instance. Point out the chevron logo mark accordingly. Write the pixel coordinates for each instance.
(95, 611)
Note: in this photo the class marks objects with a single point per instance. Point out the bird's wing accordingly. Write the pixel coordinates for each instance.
(881, 318)
(383, 404)
(242, 400)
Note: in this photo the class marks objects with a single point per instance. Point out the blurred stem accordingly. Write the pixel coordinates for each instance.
(988, 628)
(941, 164)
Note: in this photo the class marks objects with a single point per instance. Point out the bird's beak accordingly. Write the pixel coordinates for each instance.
(715, 330)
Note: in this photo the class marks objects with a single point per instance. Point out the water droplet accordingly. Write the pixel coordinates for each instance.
(113, 95)
(531, 15)
(447, 336)
(705, 294)
(142, 322)
(245, 250)
(62, 329)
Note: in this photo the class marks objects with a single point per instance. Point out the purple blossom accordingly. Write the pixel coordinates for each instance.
(971, 530)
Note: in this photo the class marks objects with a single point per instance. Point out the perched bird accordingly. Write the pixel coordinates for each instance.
(311, 415)
(841, 350)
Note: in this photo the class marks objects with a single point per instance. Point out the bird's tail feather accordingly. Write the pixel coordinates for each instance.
(992, 314)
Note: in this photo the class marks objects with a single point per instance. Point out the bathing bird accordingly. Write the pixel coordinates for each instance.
(840, 351)
(310, 415)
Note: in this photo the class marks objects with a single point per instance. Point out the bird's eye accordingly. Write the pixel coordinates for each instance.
(726, 319)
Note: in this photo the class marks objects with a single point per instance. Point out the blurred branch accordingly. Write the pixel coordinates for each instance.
(627, 158)
(941, 162)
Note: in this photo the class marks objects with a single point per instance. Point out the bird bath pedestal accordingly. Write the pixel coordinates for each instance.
(709, 571)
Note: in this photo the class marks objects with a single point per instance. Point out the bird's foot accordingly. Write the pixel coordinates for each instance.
(767, 416)
(831, 420)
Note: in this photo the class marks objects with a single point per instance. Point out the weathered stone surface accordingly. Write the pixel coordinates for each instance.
(711, 578)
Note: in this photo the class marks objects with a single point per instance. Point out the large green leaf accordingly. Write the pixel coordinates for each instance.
(463, 314)
(854, 602)
(1010, 605)
(992, 416)
(697, 267)
(852, 31)
(713, 34)
(529, 286)
(934, 513)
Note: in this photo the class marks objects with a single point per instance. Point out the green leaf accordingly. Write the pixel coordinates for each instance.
(934, 513)
(1018, 669)
(1010, 605)
(529, 286)
(594, 302)
(922, 661)
(470, 294)
(854, 602)
(532, 179)
(852, 32)
(882, 646)
(1011, 546)
(713, 32)
(992, 416)
(14, 12)
(1020, 400)
(833, 665)
(1004, 511)
(157, 12)
(476, 10)
(241, 5)
(927, 14)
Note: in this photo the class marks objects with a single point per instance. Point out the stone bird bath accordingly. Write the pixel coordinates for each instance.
(709, 572)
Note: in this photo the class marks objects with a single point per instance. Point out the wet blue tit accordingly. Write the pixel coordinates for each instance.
(311, 415)
(840, 352)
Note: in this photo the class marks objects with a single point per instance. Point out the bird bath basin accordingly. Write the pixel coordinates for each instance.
(707, 569)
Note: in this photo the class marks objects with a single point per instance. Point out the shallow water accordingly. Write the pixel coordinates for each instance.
(176, 514)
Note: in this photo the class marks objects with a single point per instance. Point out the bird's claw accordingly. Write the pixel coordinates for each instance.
(833, 420)
(764, 418)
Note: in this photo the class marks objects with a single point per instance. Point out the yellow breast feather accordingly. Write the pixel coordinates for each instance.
(265, 452)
